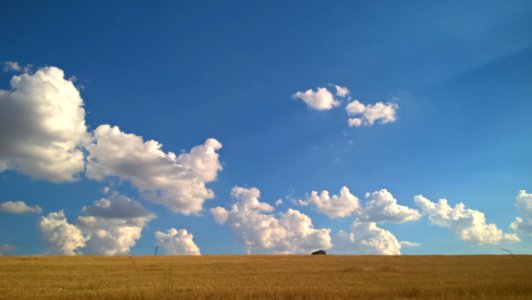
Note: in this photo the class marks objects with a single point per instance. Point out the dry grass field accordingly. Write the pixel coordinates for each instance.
(267, 277)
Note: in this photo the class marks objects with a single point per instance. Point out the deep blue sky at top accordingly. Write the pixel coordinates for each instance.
(182, 71)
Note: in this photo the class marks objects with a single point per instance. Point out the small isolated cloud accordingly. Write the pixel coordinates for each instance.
(341, 91)
(113, 225)
(279, 202)
(177, 182)
(409, 244)
(13, 66)
(523, 202)
(219, 214)
(19, 207)
(261, 231)
(177, 242)
(42, 125)
(382, 207)
(468, 224)
(321, 99)
(335, 206)
(368, 115)
(7, 249)
(60, 237)
(367, 238)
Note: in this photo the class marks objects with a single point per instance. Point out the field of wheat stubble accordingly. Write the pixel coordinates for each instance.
(267, 277)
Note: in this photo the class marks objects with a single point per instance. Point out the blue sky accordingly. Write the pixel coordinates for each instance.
(456, 77)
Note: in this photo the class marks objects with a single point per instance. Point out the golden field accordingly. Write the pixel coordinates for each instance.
(267, 277)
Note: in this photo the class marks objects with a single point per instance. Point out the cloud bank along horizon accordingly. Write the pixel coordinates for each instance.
(45, 136)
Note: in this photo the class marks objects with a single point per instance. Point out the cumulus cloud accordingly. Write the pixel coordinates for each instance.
(261, 231)
(6, 249)
(42, 125)
(367, 115)
(523, 202)
(381, 207)
(19, 207)
(219, 214)
(177, 182)
(321, 99)
(113, 225)
(468, 224)
(341, 91)
(368, 238)
(60, 237)
(177, 242)
(335, 206)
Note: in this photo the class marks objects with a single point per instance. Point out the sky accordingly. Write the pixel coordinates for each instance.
(265, 127)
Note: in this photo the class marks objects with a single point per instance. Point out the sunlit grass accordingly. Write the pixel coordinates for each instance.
(267, 277)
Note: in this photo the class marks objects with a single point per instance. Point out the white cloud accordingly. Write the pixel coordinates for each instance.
(381, 206)
(113, 225)
(6, 249)
(367, 238)
(177, 242)
(321, 99)
(523, 202)
(335, 206)
(260, 231)
(368, 115)
(468, 224)
(13, 66)
(219, 214)
(341, 91)
(279, 202)
(106, 190)
(178, 182)
(60, 237)
(42, 125)
(409, 244)
(19, 207)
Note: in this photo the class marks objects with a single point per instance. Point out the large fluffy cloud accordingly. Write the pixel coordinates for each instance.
(523, 202)
(381, 207)
(261, 231)
(177, 242)
(42, 125)
(19, 207)
(321, 99)
(113, 225)
(60, 237)
(178, 182)
(367, 115)
(335, 206)
(468, 224)
(368, 238)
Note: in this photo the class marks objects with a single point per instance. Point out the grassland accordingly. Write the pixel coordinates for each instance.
(267, 277)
